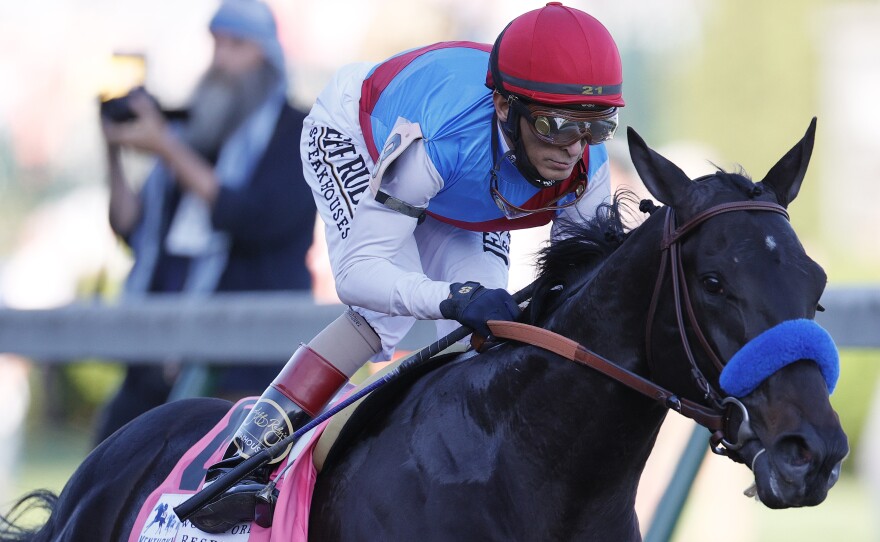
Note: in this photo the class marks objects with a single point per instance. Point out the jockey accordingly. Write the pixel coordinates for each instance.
(441, 151)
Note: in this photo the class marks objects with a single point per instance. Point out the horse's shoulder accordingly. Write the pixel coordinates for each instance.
(387, 396)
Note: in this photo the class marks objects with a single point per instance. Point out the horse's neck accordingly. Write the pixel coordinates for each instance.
(609, 315)
(614, 428)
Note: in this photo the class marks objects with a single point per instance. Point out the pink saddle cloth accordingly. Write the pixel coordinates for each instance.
(157, 522)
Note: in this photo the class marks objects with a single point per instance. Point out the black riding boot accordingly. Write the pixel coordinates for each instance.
(297, 394)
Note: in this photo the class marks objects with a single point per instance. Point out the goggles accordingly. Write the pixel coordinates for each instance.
(562, 127)
(512, 211)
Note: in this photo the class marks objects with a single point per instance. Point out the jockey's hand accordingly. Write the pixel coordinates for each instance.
(473, 305)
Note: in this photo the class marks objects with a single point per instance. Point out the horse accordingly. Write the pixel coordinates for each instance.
(516, 442)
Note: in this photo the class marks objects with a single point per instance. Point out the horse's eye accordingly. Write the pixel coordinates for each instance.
(712, 285)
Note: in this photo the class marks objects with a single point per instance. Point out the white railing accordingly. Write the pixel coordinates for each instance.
(267, 328)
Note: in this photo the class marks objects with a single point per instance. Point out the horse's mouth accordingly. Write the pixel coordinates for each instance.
(776, 490)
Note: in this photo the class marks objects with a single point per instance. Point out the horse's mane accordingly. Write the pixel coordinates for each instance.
(581, 246)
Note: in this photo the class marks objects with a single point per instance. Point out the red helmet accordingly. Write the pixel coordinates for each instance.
(557, 55)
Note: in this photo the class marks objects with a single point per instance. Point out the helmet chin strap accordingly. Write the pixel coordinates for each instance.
(511, 128)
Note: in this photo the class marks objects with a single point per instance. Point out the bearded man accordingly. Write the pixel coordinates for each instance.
(225, 208)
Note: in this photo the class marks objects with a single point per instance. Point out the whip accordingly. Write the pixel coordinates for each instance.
(229, 478)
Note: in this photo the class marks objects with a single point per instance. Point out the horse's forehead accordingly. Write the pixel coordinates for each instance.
(723, 187)
(752, 226)
(749, 235)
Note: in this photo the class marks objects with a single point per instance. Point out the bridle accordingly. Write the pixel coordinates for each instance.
(718, 415)
(670, 248)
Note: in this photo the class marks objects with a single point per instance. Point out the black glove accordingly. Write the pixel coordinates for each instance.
(472, 305)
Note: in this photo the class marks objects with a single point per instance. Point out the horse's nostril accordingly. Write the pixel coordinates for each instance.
(804, 459)
(794, 452)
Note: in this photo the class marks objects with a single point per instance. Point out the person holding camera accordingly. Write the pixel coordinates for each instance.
(225, 208)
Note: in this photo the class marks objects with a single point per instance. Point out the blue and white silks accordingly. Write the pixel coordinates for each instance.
(456, 125)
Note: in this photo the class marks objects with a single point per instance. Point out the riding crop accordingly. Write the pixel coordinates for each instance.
(225, 481)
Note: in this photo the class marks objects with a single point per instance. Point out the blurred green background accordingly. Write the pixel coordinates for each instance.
(731, 82)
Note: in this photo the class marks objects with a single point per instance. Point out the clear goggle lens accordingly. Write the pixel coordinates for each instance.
(563, 127)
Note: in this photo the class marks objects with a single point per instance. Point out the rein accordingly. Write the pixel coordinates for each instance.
(718, 416)
(709, 418)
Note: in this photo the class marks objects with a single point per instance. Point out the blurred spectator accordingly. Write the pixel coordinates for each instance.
(225, 208)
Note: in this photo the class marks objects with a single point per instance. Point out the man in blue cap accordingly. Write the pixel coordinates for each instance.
(226, 207)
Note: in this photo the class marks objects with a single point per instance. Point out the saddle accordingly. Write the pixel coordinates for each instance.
(339, 430)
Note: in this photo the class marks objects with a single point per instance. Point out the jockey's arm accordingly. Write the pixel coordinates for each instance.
(379, 268)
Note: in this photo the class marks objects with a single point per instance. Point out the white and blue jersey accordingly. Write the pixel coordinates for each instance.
(441, 87)
(390, 267)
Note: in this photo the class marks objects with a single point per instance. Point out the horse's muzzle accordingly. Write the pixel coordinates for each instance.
(798, 469)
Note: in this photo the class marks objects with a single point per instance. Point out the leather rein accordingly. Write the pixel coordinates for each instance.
(715, 417)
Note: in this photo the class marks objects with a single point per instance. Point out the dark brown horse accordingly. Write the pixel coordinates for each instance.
(518, 443)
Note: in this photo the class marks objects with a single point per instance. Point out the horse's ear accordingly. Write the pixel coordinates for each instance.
(786, 176)
(663, 179)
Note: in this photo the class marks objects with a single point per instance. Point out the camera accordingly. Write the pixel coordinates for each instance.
(119, 109)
